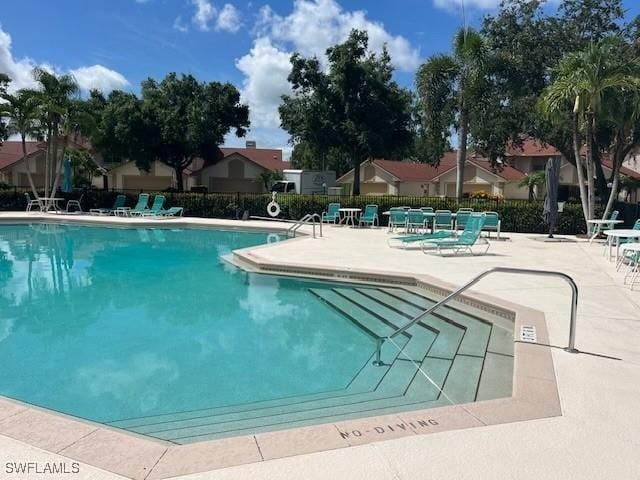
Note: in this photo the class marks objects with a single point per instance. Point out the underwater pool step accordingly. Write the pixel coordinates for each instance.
(370, 322)
(478, 331)
(451, 333)
(414, 393)
(395, 381)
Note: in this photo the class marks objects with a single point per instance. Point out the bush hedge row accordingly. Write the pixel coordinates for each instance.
(516, 215)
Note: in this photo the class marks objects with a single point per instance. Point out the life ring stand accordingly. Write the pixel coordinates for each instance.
(273, 209)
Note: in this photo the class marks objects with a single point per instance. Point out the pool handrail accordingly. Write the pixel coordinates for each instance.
(527, 271)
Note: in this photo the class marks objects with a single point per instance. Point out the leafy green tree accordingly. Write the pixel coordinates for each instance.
(304, 156)
(191, 118)
(22, 110)
(59, 117)
(269, 177)
(355, 107)
(448, 87)
(532, 181)
(4, 84)
(583, 81)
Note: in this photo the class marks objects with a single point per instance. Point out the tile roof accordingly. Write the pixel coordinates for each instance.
(532, 148)
(424, 172)
(268, 158)
(11, 151)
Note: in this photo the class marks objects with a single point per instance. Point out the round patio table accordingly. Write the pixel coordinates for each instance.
(617, 235)
(350, 215)
(51, 202)
(599, 223)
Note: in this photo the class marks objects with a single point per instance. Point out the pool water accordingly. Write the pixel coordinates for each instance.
(153, 331)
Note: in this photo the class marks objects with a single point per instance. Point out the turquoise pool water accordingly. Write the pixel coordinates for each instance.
(152, 331)
(108, 323)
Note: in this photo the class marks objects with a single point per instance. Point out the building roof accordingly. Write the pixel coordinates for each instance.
(11, 151)
(532, 148)
(425, 172)
(268, 158)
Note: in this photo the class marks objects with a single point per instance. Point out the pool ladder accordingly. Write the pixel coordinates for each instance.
(574, 305)
(309, 218)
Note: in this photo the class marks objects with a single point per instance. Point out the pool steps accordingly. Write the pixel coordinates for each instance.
(464, 357)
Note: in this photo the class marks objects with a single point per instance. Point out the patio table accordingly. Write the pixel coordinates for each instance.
(617, 235)
(599, 223)
(49, 202)
(350, 215)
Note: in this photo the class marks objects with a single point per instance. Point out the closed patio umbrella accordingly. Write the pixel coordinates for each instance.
(552, 180)
(66, 182)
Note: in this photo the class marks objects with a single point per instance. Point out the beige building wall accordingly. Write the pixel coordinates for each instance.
(129, 177)
(16, 174)
(234, 173)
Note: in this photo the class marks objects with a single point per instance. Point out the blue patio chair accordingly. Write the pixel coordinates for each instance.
(442, 220)
(332, 214)
(492, 223)
(462, 216)
(415, 220)
(397, 218)
(465, 241)
(370, 216)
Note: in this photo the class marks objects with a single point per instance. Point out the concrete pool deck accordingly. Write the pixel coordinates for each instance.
(596, 436)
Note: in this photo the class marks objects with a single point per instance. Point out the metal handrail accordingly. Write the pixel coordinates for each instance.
(308, 218)
(574, 304)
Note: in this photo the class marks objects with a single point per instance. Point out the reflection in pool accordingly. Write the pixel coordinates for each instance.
(113, 323)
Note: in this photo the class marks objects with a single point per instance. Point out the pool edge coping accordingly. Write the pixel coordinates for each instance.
(535, 396)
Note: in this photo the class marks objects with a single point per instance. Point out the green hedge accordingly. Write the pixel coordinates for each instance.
(516, 215)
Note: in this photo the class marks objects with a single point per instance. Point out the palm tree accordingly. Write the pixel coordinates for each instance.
(447, 84)
(584, 79)
(532, 181)
(22, 110)
(56, 107)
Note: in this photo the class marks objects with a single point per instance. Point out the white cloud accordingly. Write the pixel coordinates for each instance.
(315, 25)
(19, 70)
(205, 12)
(99, 77)
(180, 25)
(312, 27)
(265, 70)
(229, 19)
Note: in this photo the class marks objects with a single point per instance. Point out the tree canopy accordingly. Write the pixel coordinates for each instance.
(175, 120)
(355, 106)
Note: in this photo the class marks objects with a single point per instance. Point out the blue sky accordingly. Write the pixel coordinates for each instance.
(118, 43)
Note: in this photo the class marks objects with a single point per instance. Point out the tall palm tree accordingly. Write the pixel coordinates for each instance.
(22, 108)
(585, 79)
(446, 85)
(55, 95)
(532, 181)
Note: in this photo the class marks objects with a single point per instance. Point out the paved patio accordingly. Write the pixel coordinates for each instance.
(597, 435)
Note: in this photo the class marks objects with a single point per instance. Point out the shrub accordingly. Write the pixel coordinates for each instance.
(517, 215)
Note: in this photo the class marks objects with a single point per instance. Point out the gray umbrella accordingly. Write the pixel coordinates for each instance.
(552, 180)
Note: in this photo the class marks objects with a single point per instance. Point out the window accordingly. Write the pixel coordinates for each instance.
(236, 168)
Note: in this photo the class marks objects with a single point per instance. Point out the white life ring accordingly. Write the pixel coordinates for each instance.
(273, 209)
(273, 238)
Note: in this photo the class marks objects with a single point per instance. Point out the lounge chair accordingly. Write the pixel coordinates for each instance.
(492, 223)
(414, 240)
(156, 207)
(31, 203)
(370, 216)
(170, 212)
(397, 218)
(465, 241)
(119, 202)
(442, 219)
(141, 206)
(332, 214)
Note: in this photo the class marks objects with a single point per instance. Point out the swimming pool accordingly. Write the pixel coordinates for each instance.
(152, 331)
